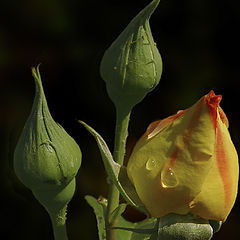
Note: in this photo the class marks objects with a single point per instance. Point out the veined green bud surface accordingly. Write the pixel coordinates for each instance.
(132, 65)
(46, 158)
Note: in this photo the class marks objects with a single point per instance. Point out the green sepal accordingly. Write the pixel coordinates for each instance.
(114, 170)
(99, 209)
(132, 65)
(184, 227)
(216, 225)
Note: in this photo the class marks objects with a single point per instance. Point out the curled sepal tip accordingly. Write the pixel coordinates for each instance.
(46, 158)
(132, 65)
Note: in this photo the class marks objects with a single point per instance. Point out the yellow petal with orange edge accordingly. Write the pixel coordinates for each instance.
(219, 190)
(170, 162)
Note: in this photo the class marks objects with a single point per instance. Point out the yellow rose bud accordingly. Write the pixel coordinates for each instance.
(187, 163)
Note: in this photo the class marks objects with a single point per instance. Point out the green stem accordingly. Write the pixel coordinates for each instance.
(58, 223)
(121, 133)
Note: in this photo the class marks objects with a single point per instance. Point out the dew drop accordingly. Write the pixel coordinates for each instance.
(49, 148)
(150, 164)
(168, 178)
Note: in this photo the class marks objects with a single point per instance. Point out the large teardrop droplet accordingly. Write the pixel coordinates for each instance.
(150, 164)
(168, 178)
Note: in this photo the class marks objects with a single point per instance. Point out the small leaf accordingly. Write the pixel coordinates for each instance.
(99, 211)
(117, 213)
(136, 231)
(149, 226)
(112, 168)
(122, 234)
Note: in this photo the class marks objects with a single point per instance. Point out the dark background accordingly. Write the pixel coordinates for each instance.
(199, 44)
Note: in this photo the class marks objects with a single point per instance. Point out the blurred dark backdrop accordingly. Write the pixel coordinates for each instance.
(199, 44)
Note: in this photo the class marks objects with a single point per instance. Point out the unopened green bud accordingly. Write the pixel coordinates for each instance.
(132, 65)
(46, 158)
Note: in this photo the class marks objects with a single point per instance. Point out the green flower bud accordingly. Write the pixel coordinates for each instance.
(132, 65)
(46, 158)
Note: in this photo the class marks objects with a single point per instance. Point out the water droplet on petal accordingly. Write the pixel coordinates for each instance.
(150, 164)
(168, 178)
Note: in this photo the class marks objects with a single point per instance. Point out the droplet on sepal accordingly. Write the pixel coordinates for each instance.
(168, 178)
(150, 164)
(48, 147)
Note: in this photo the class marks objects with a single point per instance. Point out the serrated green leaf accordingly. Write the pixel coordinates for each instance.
(99, 211)
(112, 168)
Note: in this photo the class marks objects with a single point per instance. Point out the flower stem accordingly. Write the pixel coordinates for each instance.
(121, 133)
(58, 223)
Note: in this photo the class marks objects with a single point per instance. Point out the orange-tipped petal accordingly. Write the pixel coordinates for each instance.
(220, 187)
